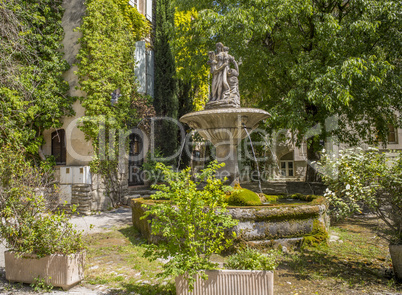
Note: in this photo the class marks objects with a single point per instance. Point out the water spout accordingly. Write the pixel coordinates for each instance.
(255, 158)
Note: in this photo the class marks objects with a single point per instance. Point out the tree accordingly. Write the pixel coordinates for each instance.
(308, 60)
(192, 78)
(165, 99)
(33, 93)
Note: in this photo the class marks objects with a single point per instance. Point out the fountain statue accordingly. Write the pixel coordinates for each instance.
(223, 122)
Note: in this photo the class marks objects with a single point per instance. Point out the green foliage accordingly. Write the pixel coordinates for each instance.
(244, 197)
(149, 166)
(193, 222)
(358, 177)
(26, 225)
(251, 259)
(193, 80)
(306, 61)
(165, 100)
(39, 285)
(106, 64)
(136, 22)
(109, 30)
(33, 93)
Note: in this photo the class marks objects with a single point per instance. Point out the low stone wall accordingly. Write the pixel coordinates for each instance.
(287, 187)
(286, 224)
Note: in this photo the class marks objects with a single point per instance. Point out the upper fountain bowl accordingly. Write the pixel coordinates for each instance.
(226, 124)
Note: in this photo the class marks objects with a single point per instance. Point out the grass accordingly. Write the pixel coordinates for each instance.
(114, 259)
(357, 263)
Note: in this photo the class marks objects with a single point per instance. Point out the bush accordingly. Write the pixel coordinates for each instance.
(365, 177)
(251, 259)
(194, 223)
(26, 224)
(244, 197)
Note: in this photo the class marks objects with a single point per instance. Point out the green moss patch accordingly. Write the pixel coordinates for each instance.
(244, 197)
(318, 236)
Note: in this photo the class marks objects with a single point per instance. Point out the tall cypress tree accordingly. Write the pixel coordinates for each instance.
(165, 99)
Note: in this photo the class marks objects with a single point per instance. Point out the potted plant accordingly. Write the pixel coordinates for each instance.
(246, 272)
(358, 177)
(41, 244)
(192, 222)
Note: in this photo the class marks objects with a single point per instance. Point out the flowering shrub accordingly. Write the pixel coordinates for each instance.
(365, 177)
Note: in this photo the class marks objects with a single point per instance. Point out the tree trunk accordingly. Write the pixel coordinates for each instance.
(312, 156)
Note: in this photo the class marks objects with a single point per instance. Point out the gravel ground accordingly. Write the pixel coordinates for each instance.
(101, 222)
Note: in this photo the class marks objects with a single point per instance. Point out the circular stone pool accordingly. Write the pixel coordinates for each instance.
(284, 223)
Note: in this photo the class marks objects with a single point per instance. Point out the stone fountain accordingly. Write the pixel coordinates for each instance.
(223, 122)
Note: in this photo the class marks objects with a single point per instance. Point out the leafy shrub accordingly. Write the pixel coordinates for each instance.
(149, 166)
(26, 225)
(244, 197)
(359, 177)
(251, 259)
(193, 222)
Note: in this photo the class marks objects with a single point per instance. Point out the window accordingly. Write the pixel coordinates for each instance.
(133, 3)
(59, 146)
(287, 168)
(392, 138)
(287, 165)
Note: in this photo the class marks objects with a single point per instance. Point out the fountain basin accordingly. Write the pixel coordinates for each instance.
(268, 225)
(224, 125)
(225, 128)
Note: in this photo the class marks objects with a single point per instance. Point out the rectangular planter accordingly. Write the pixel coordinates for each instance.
(58, 270)
(230, 282)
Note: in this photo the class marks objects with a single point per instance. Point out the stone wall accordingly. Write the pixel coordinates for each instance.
(287, 187)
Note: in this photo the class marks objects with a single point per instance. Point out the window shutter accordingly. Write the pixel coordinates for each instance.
(141, 66)
(150, 73)
(149, 10)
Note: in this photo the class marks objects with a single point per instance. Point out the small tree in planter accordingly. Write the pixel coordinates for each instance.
(357, 177)
(28, 228)
(193, 222)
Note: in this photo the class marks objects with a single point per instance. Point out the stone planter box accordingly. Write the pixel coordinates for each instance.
(58, 270)
(230, 282)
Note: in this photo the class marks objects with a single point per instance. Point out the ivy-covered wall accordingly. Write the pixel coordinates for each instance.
(33, 94)
(79, 151)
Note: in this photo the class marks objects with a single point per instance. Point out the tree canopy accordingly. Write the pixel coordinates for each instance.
(307, 60)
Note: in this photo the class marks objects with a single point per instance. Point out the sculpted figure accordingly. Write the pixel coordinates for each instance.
(225, 86)
(219, 80)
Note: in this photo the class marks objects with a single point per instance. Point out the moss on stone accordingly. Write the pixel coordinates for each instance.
(318, 236)
(244, 197)
(271, 198)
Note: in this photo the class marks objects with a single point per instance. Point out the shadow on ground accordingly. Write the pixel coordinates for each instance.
(145, 289)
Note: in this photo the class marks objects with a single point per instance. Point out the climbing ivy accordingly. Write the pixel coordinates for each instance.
(33, 93)
(109, 30)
